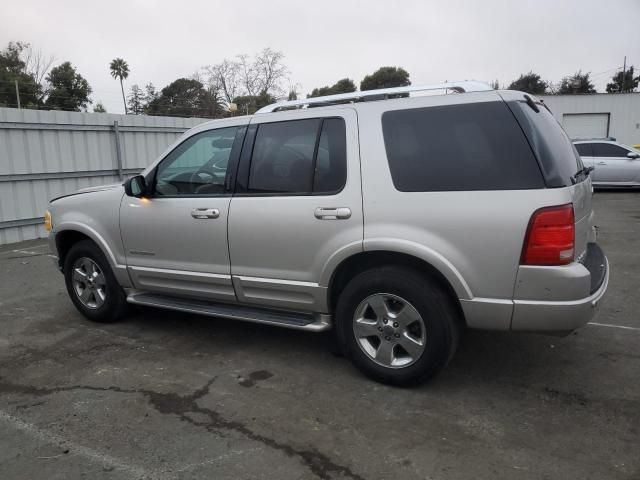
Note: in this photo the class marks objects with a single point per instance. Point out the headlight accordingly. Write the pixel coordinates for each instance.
(48, 224)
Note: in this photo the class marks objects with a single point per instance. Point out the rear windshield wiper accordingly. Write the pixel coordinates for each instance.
(583, 171)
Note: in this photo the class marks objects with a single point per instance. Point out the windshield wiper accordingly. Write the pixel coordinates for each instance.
(583, 171)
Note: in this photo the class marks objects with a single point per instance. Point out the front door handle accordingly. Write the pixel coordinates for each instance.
(340, 213)
(602, 163)
(202, 213)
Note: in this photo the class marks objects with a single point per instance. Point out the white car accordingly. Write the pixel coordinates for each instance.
(614, 164)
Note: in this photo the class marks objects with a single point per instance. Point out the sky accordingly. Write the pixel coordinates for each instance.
(327, 40)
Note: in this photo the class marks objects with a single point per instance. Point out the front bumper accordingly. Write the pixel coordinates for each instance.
(565, 316)
(53, 248)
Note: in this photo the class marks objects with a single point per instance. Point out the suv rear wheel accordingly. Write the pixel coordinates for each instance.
(91, 284)
(398, 326)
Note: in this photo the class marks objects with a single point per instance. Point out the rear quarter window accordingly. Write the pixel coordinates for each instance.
(557, 156)
(476, 146)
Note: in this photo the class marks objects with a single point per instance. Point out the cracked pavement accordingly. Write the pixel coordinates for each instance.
(172, 396)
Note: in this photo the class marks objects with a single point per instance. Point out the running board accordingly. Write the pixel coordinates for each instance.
(315, 322)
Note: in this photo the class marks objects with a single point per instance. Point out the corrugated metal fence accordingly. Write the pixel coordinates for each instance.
(45, 154)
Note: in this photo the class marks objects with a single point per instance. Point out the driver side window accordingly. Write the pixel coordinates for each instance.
(198, 166)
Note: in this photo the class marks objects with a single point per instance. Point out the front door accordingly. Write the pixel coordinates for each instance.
(297, 207)
(176, 238)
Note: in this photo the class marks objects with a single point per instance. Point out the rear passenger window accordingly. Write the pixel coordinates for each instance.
(608, 150)
(299, 157)
(475, 146)
(584, 149)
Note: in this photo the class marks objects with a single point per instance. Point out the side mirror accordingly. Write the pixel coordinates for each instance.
(633, 155)
(135, 186)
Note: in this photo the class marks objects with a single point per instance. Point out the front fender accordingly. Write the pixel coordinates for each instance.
(96, 215)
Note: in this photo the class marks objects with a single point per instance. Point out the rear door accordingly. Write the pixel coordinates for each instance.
(297, 208)
(613, 165)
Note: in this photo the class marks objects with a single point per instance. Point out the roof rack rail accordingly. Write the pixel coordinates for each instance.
(383, 93)
(609, 139)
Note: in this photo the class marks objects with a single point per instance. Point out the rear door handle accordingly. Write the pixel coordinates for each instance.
(602, 163)
(339, 213)
(203, 213)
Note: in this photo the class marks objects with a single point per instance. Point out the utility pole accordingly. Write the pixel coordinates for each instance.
(624, 74)
(17, 92)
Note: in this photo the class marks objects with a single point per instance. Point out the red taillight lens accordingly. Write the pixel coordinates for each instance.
(550, 238)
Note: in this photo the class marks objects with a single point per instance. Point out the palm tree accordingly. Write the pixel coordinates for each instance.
(120, 69)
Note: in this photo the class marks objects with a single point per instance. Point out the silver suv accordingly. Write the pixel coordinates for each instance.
(395, 219)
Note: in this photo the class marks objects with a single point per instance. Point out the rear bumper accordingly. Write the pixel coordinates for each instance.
(546, 299)
(565, 316)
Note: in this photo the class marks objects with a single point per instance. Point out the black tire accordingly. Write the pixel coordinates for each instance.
(441, 319)
(115, 303)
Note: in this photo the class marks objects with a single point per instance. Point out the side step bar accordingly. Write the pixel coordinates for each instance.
(299, 321)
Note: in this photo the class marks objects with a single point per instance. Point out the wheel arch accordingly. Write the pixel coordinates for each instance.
(70, 234)
(367, 259)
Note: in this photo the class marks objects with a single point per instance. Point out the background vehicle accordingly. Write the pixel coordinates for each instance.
(614, 164)
(398, 221)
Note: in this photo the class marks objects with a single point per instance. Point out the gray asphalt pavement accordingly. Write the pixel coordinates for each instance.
(165, 395)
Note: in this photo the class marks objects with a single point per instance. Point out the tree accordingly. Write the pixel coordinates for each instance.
(577, 83)
(249, 104)
(150, 94)
(37, 64)
(623, 85)
(344, 85)
(68, 90)
(120, 69)
(226, 77)
(187, 98)
(135, 101)
(495, 84)
(386, 77)
(530, 83)
(99, 108)
(13, 68)
(246, 76)
(264, 74)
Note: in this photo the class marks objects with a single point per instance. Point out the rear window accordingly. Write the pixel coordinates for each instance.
(477, 146)
(556, 154)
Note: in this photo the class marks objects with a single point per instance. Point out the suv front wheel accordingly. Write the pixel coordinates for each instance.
(398, 326)
(91, 285)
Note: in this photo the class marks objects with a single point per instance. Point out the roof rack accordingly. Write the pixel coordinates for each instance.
(381, 94)
(580, 139)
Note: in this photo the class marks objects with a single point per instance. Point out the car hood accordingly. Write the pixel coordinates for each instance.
(97, 188)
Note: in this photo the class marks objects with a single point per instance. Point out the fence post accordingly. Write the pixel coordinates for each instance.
(116, 131)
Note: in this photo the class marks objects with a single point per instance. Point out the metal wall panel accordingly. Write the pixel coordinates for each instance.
(45, 154)
(623, 110)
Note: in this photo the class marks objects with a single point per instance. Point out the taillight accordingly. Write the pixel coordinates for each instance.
(550, 238)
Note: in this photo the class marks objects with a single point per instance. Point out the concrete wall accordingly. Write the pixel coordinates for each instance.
(45, 154)
(623, 110)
